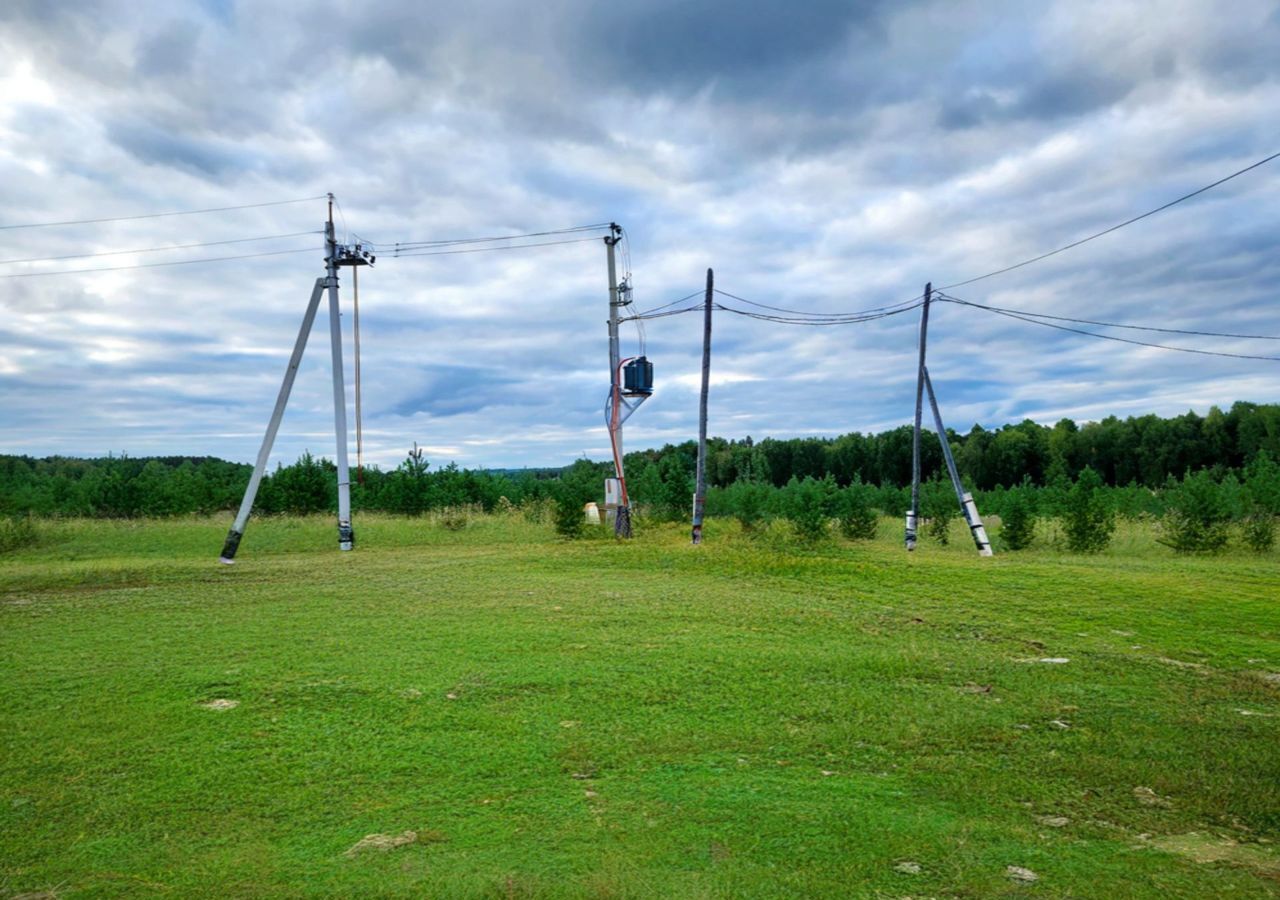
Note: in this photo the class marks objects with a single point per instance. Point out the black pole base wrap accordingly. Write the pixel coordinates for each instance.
(697, 534)
(346, 536)
(622, 522)
(230, 547)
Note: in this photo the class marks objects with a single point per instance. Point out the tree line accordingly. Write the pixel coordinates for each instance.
(1139, 466)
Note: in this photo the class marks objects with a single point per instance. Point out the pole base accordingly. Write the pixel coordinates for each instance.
(622, 522)
(346, 536)
(230, 547)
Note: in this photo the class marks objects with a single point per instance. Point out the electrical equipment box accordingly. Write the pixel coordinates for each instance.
(612, 493)
(637, 377)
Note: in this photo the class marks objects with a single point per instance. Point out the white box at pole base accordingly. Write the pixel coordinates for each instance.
(612, 493)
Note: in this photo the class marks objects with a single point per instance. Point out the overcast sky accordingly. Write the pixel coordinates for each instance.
(823, 155)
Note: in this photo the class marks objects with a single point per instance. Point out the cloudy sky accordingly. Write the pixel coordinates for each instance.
(826, 155)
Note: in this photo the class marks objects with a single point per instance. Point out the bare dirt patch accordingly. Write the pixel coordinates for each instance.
(1148, 797)
(1018, 873)
(1206, 848)
(221, 704)
(382, 842)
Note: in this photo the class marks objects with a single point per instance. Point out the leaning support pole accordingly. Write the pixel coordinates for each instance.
(700, 488)
(346, 537)
(913, 514)
(260, 466)
(968, 508)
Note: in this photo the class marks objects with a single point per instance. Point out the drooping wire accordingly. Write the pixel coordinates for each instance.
(641, 336)
(185, 212)
(399, 247)
(397, 254)
(1106, 231)
(158, 265)
(1112, 337)
(821, 315)
(248, 240)
(1038, 315)
(355, 309)
(834, 320)
(648, 313)
(663, 315)
(346, 232)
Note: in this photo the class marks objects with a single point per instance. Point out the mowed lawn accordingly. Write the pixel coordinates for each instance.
(648, 719)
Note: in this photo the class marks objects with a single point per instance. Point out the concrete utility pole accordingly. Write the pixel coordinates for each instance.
(913, 514)
(622, 514)
(232, 543)
(700, 489)
(334, 256)
(968, 508)
(346, 537)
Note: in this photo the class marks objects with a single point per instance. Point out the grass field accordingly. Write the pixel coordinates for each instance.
(595, 719)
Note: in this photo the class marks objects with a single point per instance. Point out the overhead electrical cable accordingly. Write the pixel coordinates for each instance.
(1038, 315)
(401, 246)
(648, 312)
(184, 212)
(833, 320)
(1106, 231)
(662, 315)
(248, 240)
(157, 265)
(1112, 337)
(820, 315)
(491, 249)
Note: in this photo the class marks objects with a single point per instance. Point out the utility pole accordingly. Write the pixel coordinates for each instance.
(968, 508)
(346, 537)
(700, 488)
(913, 514)
(622, 515)
(232, 543)
(335, 255)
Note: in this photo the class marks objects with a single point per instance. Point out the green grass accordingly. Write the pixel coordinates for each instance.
(599, 719)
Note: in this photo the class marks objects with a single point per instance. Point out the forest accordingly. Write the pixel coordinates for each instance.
(1223, 464)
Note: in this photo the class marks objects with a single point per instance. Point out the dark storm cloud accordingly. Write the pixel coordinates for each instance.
(199, 156)
(742, 48)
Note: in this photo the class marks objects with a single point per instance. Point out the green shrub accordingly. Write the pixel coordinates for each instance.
(569, 519)
(18, 533)
(807, 504)
(938, 504)
(1018, 524)
(454, 519)
(858, 519)
(1198, 516)
(1088, 518)
(1259, 532)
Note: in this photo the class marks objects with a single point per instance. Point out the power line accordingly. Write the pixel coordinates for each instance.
(1106, 231)
(264, 237)
(1037, 315)
(833, 320)
(648, 312)
(400, 246)
(157, 265)
(1112, 337)
(819, 315)
(662, 315)
(491, 249)
(185, 212)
